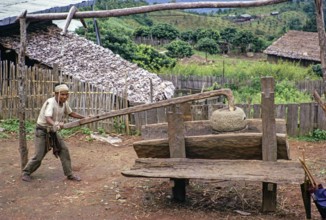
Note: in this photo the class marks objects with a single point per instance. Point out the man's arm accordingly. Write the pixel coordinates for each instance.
(76, 115)
(49, 120)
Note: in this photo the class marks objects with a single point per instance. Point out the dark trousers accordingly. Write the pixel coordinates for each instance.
(41, 150)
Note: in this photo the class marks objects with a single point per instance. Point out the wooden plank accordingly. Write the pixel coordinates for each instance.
(216, 146)
(203, 127)
(269, 140)
(286, 172)
(176, 135)
(177, 149)
(321, 118)
(306, 118)
(280, 111)
(161, 116)
(268, 120)
(199, 112)
(151, 116)
(292, 119)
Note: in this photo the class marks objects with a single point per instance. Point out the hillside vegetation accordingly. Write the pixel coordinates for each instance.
(159, 41)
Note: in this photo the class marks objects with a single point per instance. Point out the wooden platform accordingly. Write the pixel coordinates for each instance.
(289, 172)
(215, 146)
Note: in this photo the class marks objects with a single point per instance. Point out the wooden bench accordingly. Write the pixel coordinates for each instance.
(190, 150)
(211, 156)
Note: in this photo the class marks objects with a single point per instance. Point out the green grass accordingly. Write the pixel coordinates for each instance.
(243, 69)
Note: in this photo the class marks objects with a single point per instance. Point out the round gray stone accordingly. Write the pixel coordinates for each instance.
(224, 120)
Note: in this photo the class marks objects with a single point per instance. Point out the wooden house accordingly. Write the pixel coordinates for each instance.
(295, 46)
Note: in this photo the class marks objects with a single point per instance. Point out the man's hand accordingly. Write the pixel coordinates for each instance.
(57, 126)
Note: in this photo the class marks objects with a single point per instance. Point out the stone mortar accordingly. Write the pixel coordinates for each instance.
(224, 120)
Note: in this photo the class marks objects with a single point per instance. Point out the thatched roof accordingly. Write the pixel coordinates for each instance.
(298, 45)
(88, 62)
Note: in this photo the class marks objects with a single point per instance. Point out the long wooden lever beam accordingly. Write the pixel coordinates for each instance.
(319, 101)
(144, 107)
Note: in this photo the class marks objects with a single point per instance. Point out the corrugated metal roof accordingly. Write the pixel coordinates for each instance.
(10, 9)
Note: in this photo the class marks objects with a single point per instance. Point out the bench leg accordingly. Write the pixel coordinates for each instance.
(179, 189)
(306, 198)
(269, 197)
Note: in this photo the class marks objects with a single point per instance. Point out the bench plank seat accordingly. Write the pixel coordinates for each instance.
(247, 170)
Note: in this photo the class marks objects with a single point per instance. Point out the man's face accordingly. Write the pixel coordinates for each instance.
(62, 96)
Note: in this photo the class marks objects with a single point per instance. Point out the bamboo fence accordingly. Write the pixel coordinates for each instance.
(84, 98)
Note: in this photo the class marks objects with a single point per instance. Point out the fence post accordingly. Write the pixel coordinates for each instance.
(269, 144)
(22, 93)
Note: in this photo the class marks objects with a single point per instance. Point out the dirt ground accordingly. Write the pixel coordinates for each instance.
(105, 194)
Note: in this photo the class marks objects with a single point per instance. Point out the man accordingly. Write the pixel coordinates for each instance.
(49, 121)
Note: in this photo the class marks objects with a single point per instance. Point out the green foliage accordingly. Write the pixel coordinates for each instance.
(142, 32)
(187, 36)
(317, 70)
(12, 126)
(286, 92)
(315, 135)
(119, 125)
(207, 45)
(295, 24)
(246, 40)
(229, 34)
(143, 19)
(3, 135)
(114, 4)
(69, 132)
(179, 49)
(86, 130)
(101, 131)
(206, 33)
(148, 58)
(165, 31)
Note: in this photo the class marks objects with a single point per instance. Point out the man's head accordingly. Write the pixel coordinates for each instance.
(61, 92)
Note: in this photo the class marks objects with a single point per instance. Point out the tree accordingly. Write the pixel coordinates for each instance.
(179, 49)
(187, 36)
(148, 58)
(142, 32)
(229, 34)
(207, 45)
(165, 31)
(311, 25)
(206, 33)
(245, 39)
(295, 24)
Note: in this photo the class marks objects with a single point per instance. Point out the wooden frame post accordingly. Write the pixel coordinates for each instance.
(177, 147)
(21, 91)
(269, 143)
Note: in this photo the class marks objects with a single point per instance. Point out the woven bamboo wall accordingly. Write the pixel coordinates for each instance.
(84, 98)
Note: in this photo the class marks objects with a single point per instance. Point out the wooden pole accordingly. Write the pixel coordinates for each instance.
(151, 8)
(71, 13)
(177, 148)
(97, 30)
(321, 36)
(164, 103)
(269, 142)
(21, 90)
(319, 101)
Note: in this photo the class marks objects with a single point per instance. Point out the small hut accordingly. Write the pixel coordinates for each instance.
(295, 46)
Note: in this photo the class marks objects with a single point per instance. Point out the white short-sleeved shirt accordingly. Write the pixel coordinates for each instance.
(52, 109)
